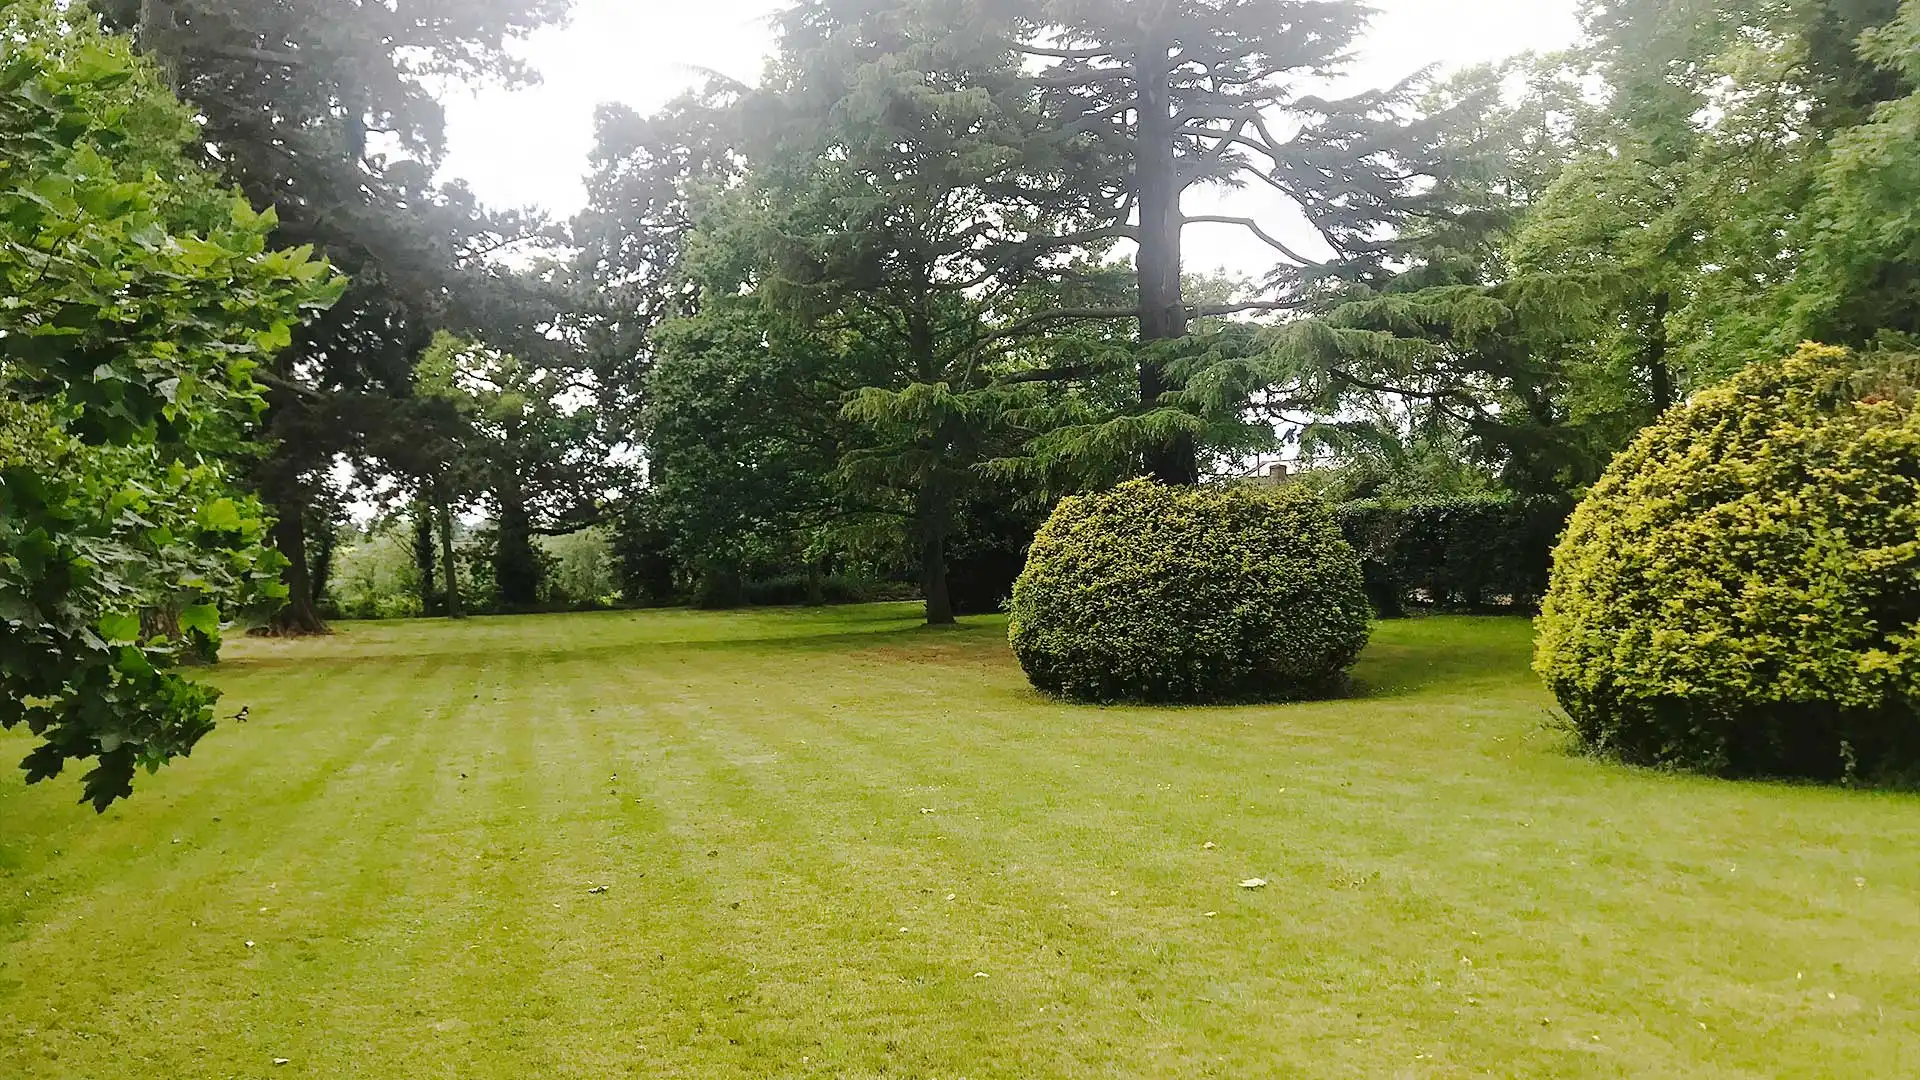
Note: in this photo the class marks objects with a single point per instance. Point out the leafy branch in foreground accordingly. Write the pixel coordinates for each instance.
(140, 299)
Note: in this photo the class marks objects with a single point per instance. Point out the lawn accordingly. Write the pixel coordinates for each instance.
(834, 845)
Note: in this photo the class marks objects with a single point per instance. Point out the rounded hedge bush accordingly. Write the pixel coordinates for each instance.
(1190, 595)
(1740, 594)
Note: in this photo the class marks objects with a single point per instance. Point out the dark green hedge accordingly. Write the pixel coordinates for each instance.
(1740, 594)
(797, 590)
(1192, 595)
(1467, 554)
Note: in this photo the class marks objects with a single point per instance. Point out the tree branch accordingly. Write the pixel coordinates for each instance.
(1040, 375)
(1194, 174)
(1253, 227)
(1046, 318)
(1098, 52)
(1234, 137)
(245, 52)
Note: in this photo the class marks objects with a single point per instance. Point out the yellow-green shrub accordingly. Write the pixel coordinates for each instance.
(1157, 594)
(1741, 592)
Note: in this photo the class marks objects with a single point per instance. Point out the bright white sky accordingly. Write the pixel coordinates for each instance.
(529, 148)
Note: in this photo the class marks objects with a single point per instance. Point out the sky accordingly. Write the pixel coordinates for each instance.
(529, 147)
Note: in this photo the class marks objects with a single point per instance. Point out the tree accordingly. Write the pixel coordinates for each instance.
(1861, 278)
(1701, 194)
(899, 208)
(1146, 102)
(290, 95)
(744, 432)
(1455, 343)
(142, 299)
(527, 443)
(651, 177)
(1706, 211)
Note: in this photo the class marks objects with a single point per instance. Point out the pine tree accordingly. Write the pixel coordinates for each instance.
(1145, 102)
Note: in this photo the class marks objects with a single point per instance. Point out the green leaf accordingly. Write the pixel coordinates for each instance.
(221, 515)
(204, 618)
(120, 629)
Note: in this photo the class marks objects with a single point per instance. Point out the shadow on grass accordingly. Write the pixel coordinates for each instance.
(849, 635)
(1414, 655)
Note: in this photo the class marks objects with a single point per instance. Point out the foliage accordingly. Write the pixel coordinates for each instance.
(379, 573)
(581, 573)
(997, 526)
(1137, 107)
(643, 551)
(1469, 553)
(377, 577)
(1739, 593)
(794, 590)
(1161, 594)
(140, 299)
(288, 96)
(523, 436)
(743, 429)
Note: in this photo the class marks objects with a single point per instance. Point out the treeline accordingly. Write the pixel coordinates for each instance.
(925, 277)
(853, 329)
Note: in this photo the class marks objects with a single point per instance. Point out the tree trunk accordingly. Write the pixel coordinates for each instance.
(155, 39)
(933, 577)
(443, 506)
(1163, 310)
(1659, 375)
(516, 566)
(321, 571)
(423, 557)
(816, 584)
(300, 618)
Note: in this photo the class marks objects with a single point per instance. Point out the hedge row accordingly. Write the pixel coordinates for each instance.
(1468, 554)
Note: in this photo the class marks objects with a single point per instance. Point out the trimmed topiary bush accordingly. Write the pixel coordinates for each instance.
(1740, 594)
(1180, 595)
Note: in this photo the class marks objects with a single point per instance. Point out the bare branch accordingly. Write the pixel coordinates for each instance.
(1097, 52)
(1047, 318)
(244, 52)
(1253, 227)
(1090, 77)
(1235, 137)
(1197, 172)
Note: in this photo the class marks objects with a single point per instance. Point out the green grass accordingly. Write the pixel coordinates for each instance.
(817, 828)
